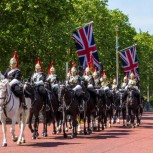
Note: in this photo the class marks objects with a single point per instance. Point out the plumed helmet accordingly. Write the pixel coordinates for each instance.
(104, 74)
(38, 64)
(132, 75)
(114, 80)
(95, 72)
(13, 61)
(52, 69)
(87, 69)
(73, 69)
(125, 78)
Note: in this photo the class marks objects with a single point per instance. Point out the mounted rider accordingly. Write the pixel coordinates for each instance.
(13, 74)
(114, 85)
(38, 78)
(75, 83)
(105, 84)
(96, 79)
(132, 83)
(53, 79)
(124, 83)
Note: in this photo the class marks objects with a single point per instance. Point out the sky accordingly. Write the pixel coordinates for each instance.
(140, 13)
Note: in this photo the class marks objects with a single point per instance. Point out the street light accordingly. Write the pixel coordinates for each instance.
(116, 30)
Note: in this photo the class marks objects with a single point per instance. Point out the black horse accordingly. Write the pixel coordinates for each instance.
(109, 107)
(132, 106)
(53, 115)
(101, 107)
(38, 96)
(69, 106)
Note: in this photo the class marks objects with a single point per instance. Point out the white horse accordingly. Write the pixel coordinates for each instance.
(10, 108)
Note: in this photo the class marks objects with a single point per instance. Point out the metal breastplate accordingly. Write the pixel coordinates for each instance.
(73, 79)
(37, 77)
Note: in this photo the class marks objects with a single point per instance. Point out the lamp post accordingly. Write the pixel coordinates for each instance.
(116, 30)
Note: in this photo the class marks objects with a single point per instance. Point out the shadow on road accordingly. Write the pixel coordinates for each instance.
(49, 144)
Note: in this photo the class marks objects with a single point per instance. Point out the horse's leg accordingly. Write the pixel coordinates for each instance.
(12, 129)
(22, 124)
(30, 122)
(124, 116)
(36, 122)
(132, 118)
(99, 119)
(74, 124)
(44, 133)
(4, 130)
(88, 122)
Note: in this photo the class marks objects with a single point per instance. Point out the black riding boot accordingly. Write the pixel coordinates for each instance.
(46, 106)
(22, 101)
(81, 105)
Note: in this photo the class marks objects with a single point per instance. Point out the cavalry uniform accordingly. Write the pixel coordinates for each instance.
(96, 79)
(74, 82)
(114, 85)
(13, 74)
(38, 78)
(88, 78)
(53, 79)
(104, 82)
(132, 83)
(124, 83)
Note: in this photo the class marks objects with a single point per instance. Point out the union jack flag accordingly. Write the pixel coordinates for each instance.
(129, 61)
(85, 45)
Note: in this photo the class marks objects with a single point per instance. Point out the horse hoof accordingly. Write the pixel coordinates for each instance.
(45, 134)
(54, 132)
(15, 139)
(65, 135)
(33, 137)
(19, 143)
(23, 141)
(4, 145)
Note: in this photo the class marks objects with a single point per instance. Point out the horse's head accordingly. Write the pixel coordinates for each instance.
(4, 87)
(131, 95)
(61, 91)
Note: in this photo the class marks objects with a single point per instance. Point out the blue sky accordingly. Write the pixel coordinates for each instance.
(140, 12)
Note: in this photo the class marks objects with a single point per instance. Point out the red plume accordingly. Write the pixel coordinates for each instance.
(73, 64)
(15, 55)
(50, 66)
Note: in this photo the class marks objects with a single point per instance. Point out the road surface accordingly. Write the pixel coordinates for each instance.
(112, 140)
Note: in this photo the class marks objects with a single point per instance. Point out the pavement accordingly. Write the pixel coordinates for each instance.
(116, 139)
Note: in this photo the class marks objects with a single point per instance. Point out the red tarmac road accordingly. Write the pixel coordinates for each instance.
(112, 140)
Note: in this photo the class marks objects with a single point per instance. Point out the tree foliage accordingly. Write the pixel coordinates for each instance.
(44, 28)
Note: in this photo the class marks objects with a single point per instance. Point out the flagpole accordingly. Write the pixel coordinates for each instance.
(128, 47)
(84, 25)
(116, 30)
